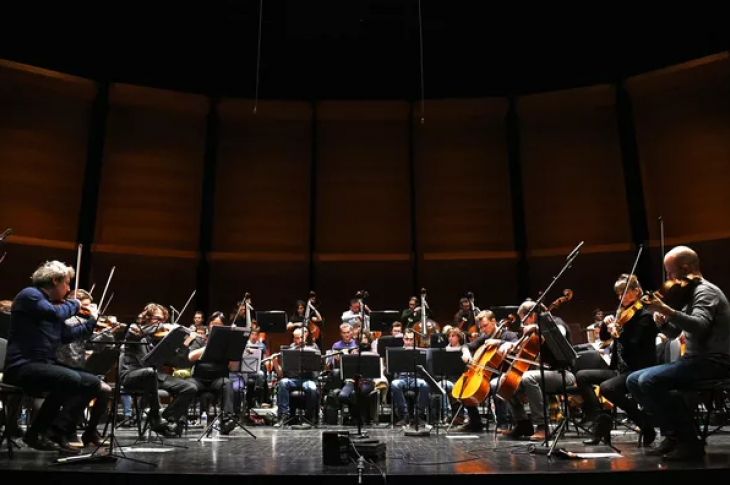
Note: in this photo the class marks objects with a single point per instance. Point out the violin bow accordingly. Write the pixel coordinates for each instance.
(103, 311)
(186, 305)
(109, 280)
(3, 258)
(78, 268)
(91, 291)
(626, 288)
(661, 247)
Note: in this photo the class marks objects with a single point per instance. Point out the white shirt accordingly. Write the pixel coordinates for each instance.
(353, 318)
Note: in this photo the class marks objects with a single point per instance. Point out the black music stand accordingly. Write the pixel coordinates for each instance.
(110, 456)
(407, 361)
(303, 361)
(445, 363)
(433, 384)
(272, 321)
(364, 365)
(225, 345)
(383, 320)
(4, 325)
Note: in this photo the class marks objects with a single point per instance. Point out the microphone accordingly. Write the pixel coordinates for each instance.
(575, 251)
(360, 468)
(5, 234)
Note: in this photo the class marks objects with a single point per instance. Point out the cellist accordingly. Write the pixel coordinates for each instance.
(489, 333)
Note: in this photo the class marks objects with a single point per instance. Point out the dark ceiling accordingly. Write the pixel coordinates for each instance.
(355, 49)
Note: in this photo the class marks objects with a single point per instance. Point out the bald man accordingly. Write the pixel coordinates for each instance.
(705, 321)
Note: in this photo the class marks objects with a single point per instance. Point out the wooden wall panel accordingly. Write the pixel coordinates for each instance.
(682, 118)
(263, 178)
(363, 180)
(139, 280)
(43, 134)
(387, 282)
(462, 180)
(22, 259)
(571, 169)
(493, 282)
(153, 166)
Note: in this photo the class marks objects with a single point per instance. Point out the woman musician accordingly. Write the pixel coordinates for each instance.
(633, 348)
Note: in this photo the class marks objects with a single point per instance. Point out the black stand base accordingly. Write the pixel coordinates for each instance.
(216, 424)
(109, 457)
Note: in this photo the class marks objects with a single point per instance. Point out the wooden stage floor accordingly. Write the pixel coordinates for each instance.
(291, 453)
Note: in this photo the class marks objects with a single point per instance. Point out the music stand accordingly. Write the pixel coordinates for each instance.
(4, 325)
(383, 320)
(225, 345)
(249, 364)
(444, 364)
(364, 365)
(384, 343)
(272, 321)
(300, 361)
(404, 360)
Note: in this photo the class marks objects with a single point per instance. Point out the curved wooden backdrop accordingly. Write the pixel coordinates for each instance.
(339, 196)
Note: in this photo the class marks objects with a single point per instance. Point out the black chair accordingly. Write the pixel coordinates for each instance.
(711, 392)
(12, 398)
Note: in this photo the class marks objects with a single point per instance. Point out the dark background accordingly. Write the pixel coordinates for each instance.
(132, 130)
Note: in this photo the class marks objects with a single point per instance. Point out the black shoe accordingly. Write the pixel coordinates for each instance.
(647, 434)
(63, 444)
(227, 426)
(91, 438)
(39, 442)
(602, 431)
(667, 445)
(686, 452)
(522, 429)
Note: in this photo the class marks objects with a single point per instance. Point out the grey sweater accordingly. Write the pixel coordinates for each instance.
(705, 322)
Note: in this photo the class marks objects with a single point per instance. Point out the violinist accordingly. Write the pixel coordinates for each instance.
(705, 320)
(633, 348)
(198, 323)
(530, 384)
(135, 375)
(256, 386)
(37, 328)
(213, 376)
(488, 333)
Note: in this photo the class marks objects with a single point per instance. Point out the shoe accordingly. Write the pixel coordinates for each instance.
(468, 428)
(686, 452)
(647, 435)
(601, 432)
(91, 438)
(521, 430)
(227, 426)
(63, 444)
(667, 445)
(539, 434)
(39, 442)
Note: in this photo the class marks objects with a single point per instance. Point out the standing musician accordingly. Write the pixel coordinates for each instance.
(296, 320)
(488, 334)
(135, 375)
(404, 380)
(213, 376)
(705, 321)
(530, 384)
(465, 316)
(352, 316)
(412, 315)
(37, 328)
(633, 348)
(292, 380)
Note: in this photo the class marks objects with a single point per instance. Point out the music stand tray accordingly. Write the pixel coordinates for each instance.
(445, 363)
(274, 321)
(310, 360)
(369, 366)
(166, 349)
(387, 342)
(250, 362)
(401, 360)
(101, 362)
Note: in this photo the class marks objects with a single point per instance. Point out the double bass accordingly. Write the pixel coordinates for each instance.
(527, 352)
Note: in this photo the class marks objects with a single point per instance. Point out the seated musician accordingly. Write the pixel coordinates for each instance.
(292, 380)
(198, 323)
(456, 344)
(530, 385)
(396, 331)
(352, 316)
(367, 386)
(403, 381)
(37, 328)
(213, 376)
(705, 321)
(634, 349)
(255, 384)
(136, 376)
(345, 344)
(413, 315)
(465, 316)
(73, 355)
(488, 333)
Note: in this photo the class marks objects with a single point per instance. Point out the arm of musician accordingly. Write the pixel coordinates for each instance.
(699, 320)
(603, 332)
(35, 303)
(195, 355)
(71, 334)
(293, 325)
(647, 329)
(465, 355)
(474, 345)
(506, 347)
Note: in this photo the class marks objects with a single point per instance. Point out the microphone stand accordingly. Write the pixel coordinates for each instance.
(569, 262)
(358, 392)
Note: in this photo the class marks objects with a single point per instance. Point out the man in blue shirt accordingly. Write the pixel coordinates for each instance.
(37, 329)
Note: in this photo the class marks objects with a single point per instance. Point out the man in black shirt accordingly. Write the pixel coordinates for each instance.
(292, 379)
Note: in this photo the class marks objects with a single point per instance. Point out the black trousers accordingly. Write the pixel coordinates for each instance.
(221, 387)
(148, 381)
(70, 388)
(613, 387)
(348, 396)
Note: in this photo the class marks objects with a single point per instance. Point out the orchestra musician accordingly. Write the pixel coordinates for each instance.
(455, 344)
(488, 333)
(256, 388)
(530, 385)
(296, 320)
(213, 376)
(198, 320)
(402, 381)
(367, 386)
(705, 321)
(634, 349)
(292, 380)
(37, 328)
(346, 342)
(412, 315)
(135, 375)
(396, 330)
(352, 316)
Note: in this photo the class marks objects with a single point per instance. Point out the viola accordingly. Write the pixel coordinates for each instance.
(675, 293)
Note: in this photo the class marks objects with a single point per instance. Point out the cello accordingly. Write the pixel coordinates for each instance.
(527, 352)
(473, 386)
